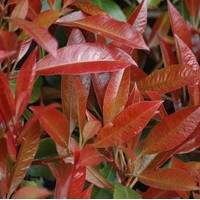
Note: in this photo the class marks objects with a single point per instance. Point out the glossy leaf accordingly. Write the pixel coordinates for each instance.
(127, 124)
(138, 19)
(84, 58)
(186, 57)
(122, 192)
(177, 127)
(109, 28)
(89, 155)
(168, 179)
(7, 103)
(25, 156)
(76, 37)
(25, 81)
(31, 192)
(39, 34)
(94, 176)
(168, 79)
(116, 95)
(179, 25)
(55, 124)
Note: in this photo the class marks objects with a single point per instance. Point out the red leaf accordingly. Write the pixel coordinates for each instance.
(39, 34)
(5, 54)
(69, 105)
(153, 193)
(34, 8)
(55, 124)
(87, 193)
(7, 102)
(116, 95)
(168, 179)
(94, 176)
(90, 129)
(193, 7)
(76, 37)
(138, 19)
(3, 168)
(100, 82)
(168, 79)
(20, 11)
(81, 101)
(25, 82)
(84, 58)
(31, 192)
(127, 124)
(134, 97)
(77, 183)
(177, 127)
(186, 57)
(118, 31)
(88, 7)
(179, 25)
(25, 157)
(63, 174)
(90, 156)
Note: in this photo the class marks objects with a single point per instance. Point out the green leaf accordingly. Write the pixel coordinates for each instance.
(122, 192)
(111, 8)
(40, 171)
(46, 149)
(36, 90)
(103, 193)
(109, 173)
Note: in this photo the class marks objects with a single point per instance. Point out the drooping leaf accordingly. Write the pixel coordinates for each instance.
(116, 95)
(25, 81)
(168, 79)
(25, 157)
(120, 32)
(94, 176)
(84, 58)
(127, 124)
(55, 124)
(168, 179)
(89, 155)
(138, 19)
(179, 25)
(5, 54)
(123, 192)
(31, 192)
(176, 128)
(39, 34)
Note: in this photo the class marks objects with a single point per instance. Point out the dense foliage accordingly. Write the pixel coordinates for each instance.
(96, 106)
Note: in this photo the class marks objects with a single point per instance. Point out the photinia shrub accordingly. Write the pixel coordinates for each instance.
(98, 104)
